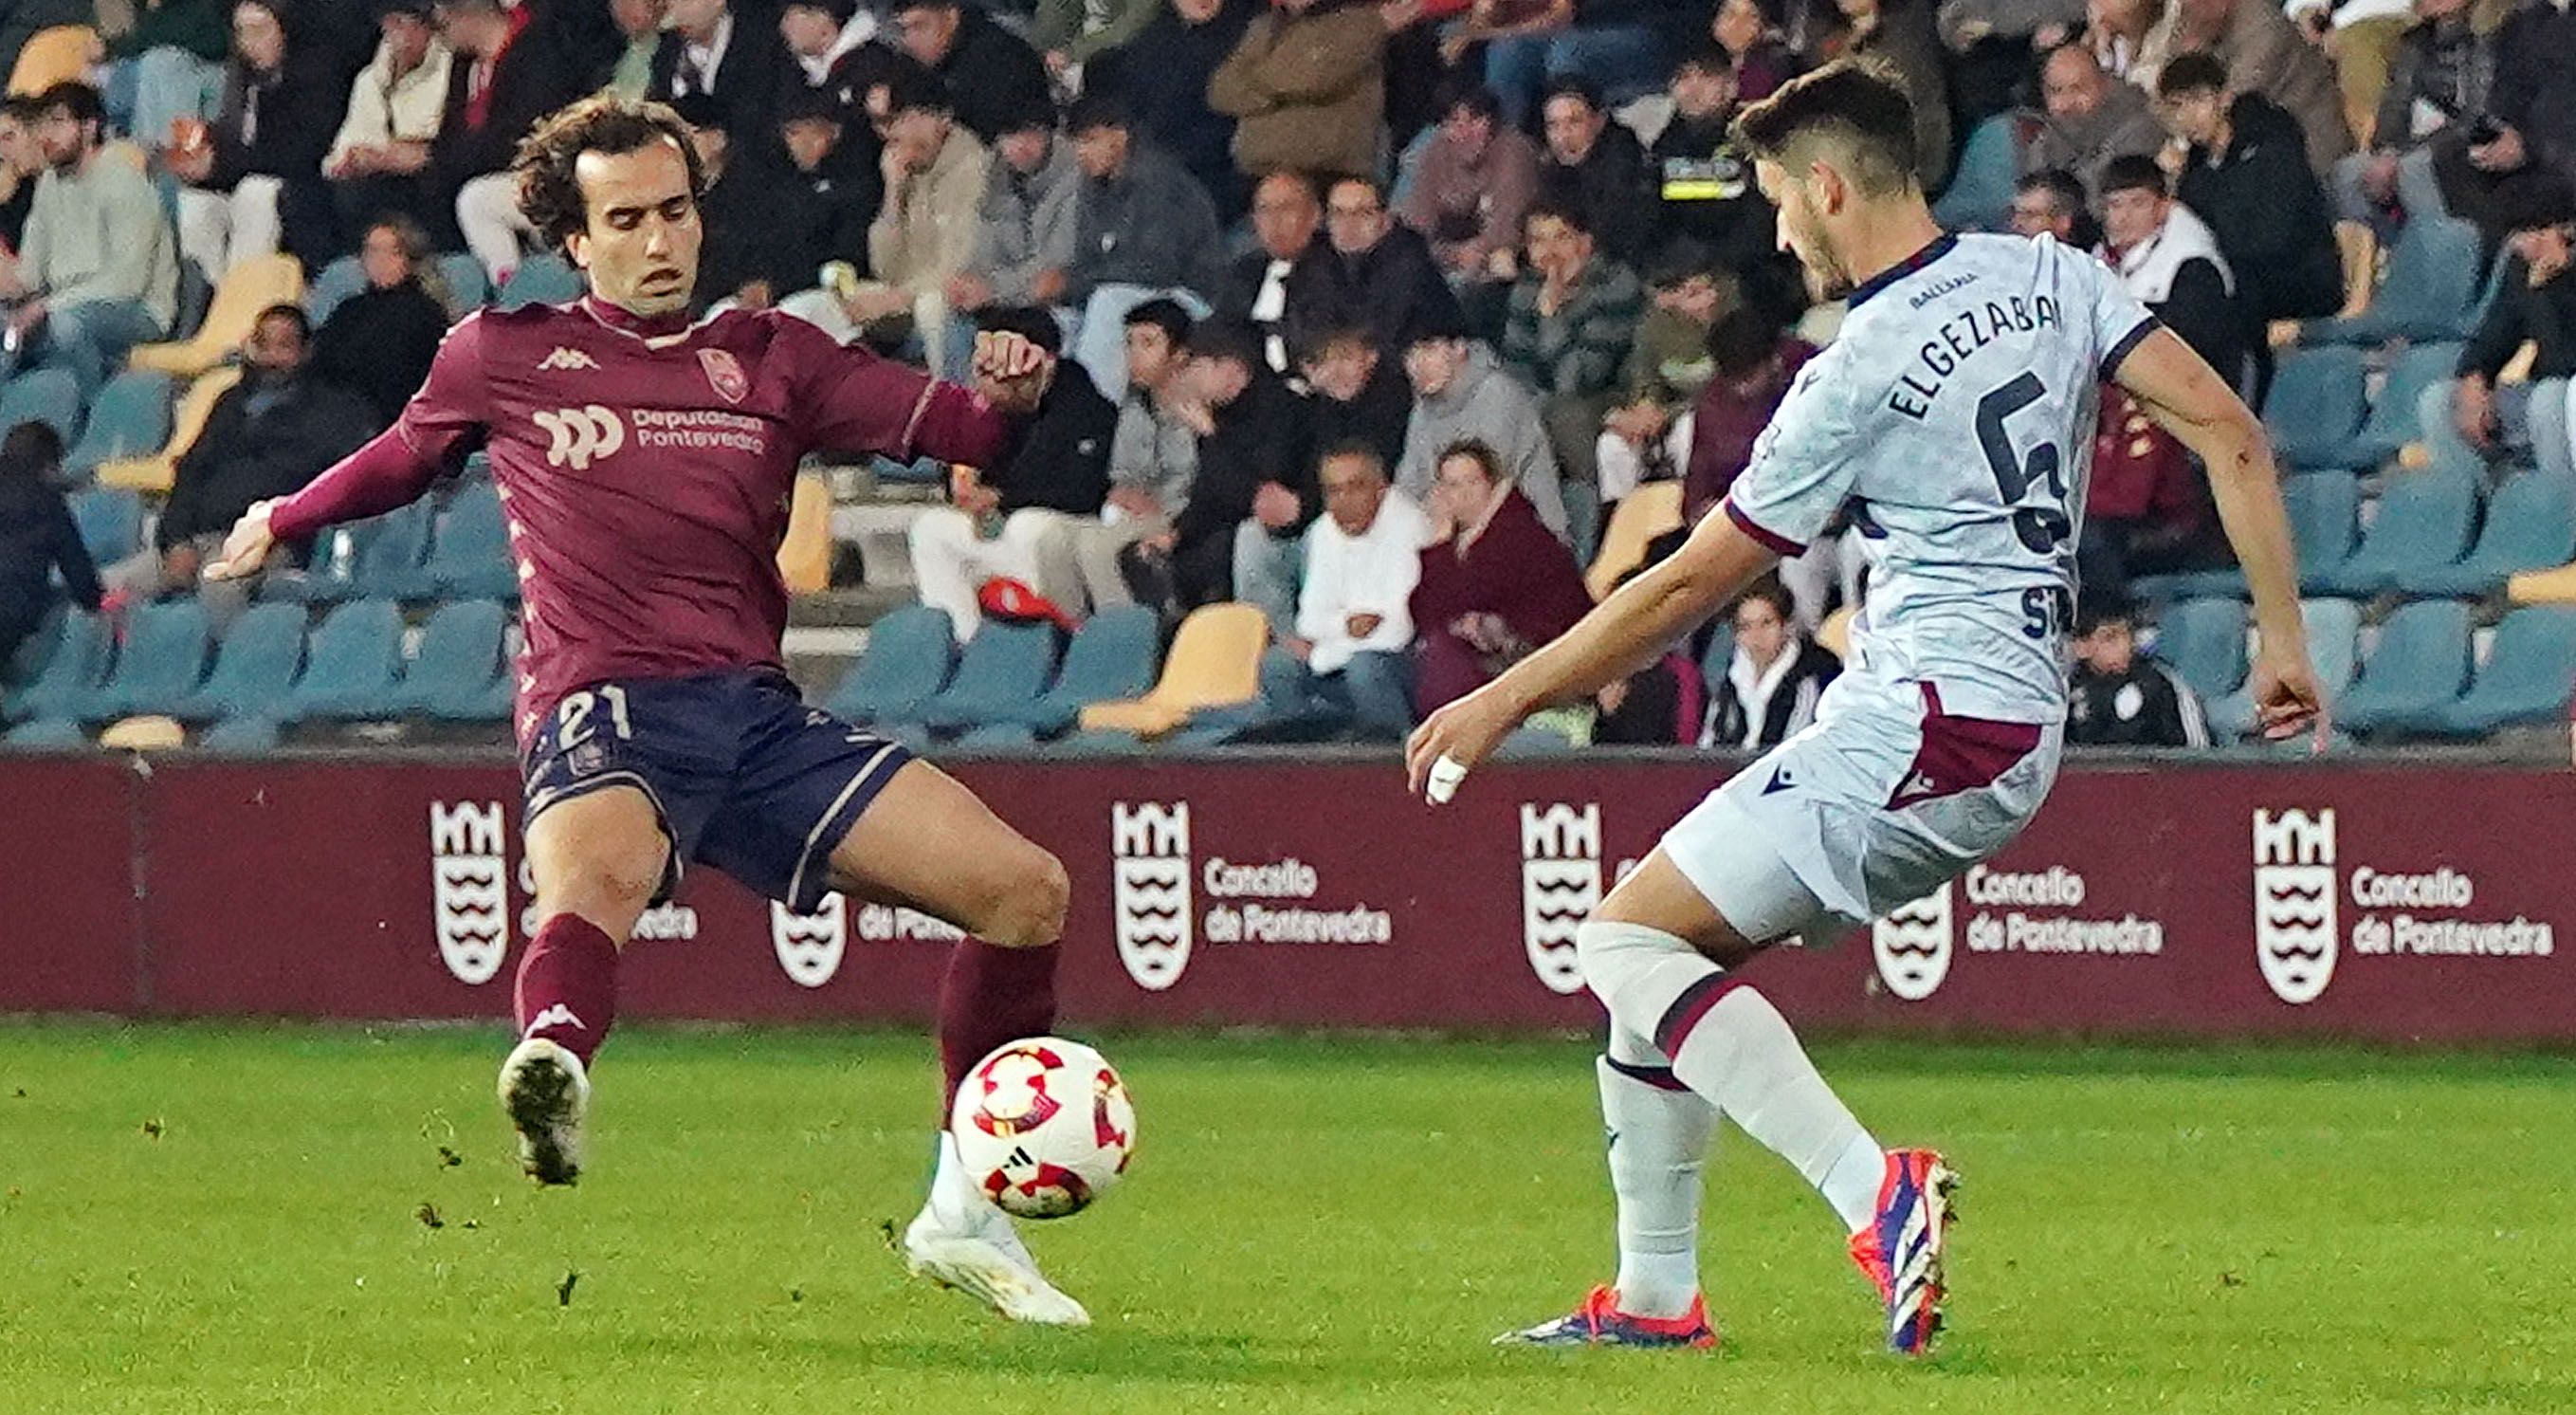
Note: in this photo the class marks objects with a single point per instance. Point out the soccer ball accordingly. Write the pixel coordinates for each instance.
(1043, 1126)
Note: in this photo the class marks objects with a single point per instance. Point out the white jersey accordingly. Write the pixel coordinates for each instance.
(1953, 417)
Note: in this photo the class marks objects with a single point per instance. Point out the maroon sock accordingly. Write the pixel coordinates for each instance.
(991, 995)
(568, 985)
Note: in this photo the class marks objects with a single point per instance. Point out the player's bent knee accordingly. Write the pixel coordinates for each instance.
(1027, 905)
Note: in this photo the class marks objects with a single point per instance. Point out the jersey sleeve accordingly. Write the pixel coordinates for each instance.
(856, 402)
(1804, 464)
(449, 413)
(2120, 320)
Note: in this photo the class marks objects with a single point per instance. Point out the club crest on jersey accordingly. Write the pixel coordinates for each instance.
(724, 371)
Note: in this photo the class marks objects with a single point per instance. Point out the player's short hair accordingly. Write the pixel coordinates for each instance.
(2133, 172)
(79, 100)
(1480, 452)
(1741, 339)
(1027, 321)
(1772, 592)
(2533, 199)
(293, 314)
(1549, 209)
(2196, 72)
(550, 194)
(1100, 108)
(1462, 90)
(1165, 314)
(1571, 86)
(1854, 110)
(1358, 447)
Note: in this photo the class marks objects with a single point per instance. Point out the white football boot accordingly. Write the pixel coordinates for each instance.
(960, 1240)
(546, 1092)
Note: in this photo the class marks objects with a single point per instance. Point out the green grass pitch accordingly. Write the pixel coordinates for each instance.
(235, 1220)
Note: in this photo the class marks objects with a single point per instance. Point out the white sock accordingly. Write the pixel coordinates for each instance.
(1731, 1046)
(1659, 1139)
(1851, 1185)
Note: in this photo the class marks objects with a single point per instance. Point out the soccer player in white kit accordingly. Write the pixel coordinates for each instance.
(1953, 421)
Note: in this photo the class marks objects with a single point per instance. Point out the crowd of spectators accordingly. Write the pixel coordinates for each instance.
(1374, 311)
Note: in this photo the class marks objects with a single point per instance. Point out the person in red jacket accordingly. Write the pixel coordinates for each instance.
(1495, 582)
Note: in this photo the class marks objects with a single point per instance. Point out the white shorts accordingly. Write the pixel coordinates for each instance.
(1880, 802)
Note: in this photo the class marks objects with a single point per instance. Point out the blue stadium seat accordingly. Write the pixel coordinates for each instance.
(1286, 711)
(2324, 508)
(254, 668)
(904, 665)
(161, 664)
(246, 735)
(541, 280)
(2531, 525)
(2422, 523)
(110, 521)
(2420, 662)
(1529, 741)
(1979, 197)
(468, 286)
(84, 648)
(459, 675)
(387, 554)
(130, 418)
(1111, 659)
(999, 677)
(469, 553)
(2315, 406)
(2529, 673)
(2393, 414)
(2430, 290)
(48, 734)
(43, 395)
(336, 285)
(2334, 645)
(1719, 656)
(2203, 641)
(353, 668)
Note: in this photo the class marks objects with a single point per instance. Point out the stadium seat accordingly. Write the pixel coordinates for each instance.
(541, 280)
(129, 418)
(2359, 247)
(2324, 509)
(53, 55)
(252, 285)
(2429, 292)
(2528, 675)
(469, 553)
(2531, 525)
(2420, 662)
(1287, 711)
(2334, 633)
(2392, 421)
(151, 732)
(459, 675)
(468, 286)
(904, 664)
(340, 282)
(1215, 662)
(2315, 406)
(2423, 523)
(161, 663)
(1979, 197)
(386, 552)
(43, 395)
(254, 668)
(157, 471)
(1111, 657)
(1719, 655)
(1002, 671)
(110, 521)
(354, 666)
(1534, 741)
(245, 735)
(1641, 515)
(85, 647)
(48, 734)
(2203, 641)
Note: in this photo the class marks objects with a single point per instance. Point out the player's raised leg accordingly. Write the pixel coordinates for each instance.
(597, 859)
(929, 844)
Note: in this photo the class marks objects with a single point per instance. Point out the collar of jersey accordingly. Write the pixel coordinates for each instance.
(653, 329)
(1939, 247)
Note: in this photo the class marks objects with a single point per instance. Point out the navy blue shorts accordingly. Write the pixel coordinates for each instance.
(744, 775)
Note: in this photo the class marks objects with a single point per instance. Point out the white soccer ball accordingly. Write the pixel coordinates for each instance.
(1044, 1127)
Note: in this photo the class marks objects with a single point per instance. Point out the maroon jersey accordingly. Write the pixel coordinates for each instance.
(645, 468)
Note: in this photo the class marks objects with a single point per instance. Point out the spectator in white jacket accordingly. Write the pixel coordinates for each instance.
(377, 162)
(1363, 556)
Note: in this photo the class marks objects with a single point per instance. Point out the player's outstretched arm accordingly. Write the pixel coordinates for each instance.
(2187, 397)
(386, 473)
(1624, 633)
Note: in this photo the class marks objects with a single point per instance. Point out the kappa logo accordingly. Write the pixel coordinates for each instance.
(1150, 845)
(1912, 946)
(1560, 887)
(2294, 902)
(810, 946)
(577, 437)
(556, 1015)
(564, 360)
(470, 888)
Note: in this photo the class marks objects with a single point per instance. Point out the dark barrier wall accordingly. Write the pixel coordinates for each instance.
(2390, 903)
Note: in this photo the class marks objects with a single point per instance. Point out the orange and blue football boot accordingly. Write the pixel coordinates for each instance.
(1599, 1322)
(1901, 1251)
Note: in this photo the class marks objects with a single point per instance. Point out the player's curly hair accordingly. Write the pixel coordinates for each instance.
(550, 192)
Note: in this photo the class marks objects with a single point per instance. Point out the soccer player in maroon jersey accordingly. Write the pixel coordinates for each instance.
(645, 464)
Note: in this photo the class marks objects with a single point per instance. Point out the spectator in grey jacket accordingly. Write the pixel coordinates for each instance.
(2092, 118)
(1153, 455)
(1025, 243)
(1143, 228)
(1573, 318)
(100, 270)
(1458, 395)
